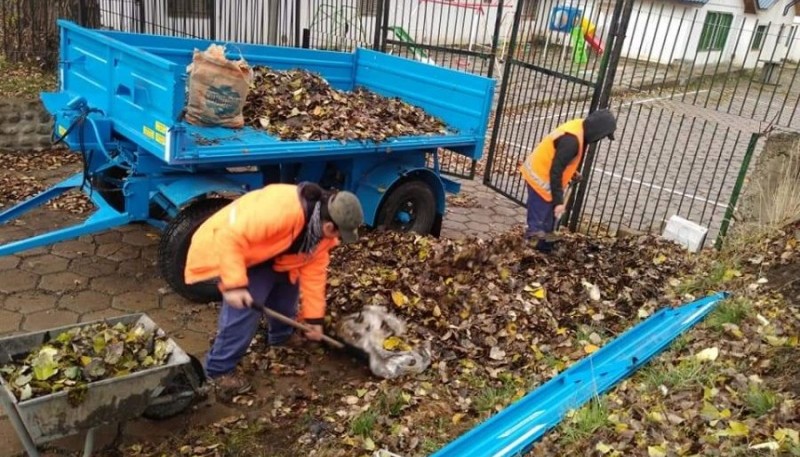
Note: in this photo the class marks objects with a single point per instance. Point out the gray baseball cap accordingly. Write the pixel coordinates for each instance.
(345, 211)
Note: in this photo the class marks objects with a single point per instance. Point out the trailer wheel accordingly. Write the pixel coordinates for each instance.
(410, 207)
(174, 247)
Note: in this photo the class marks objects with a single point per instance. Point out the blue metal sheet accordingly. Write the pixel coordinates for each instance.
(516, 428)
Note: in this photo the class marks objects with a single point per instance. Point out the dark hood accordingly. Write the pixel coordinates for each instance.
(598, 125)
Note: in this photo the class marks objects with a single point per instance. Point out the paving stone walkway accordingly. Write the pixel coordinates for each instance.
(114, 273)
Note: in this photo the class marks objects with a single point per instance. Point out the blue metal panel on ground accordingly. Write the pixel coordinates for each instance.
(516, 428)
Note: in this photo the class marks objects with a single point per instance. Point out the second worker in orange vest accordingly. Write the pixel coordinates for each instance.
(553, 164)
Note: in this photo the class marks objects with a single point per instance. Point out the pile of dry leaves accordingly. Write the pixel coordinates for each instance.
(24, 174)
(300, 105)
(731, 386)
(502, 319)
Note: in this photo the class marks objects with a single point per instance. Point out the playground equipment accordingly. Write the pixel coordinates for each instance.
(120, 104)
(568, 19)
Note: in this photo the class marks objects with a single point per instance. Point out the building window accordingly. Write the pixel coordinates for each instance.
(368, 7)
(189, 8)
(715, 31)
(758, 38)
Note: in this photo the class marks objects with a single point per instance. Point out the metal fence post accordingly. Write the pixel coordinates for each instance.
(82, 13)
(498, 23)
(601, 99)
(512, 45)
(376, 34)
(737, 189)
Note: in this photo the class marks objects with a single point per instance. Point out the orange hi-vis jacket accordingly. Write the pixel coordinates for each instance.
(254, 228)
(536, 168)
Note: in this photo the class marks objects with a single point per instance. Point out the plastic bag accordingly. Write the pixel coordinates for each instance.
(218, 88)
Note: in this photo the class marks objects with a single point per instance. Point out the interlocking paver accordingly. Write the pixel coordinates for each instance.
(92, 267)
(9, 322)
(9, 262)
(29, 301)
(85, 301)
(140, 238)
(175, 302)
(44, 264)
(118, 251)
(43, 320)
(106, 313)
(108, 237)
(194, 343)
(167, 320)
(136, 301)
(63, 282)
(33, 252)
(17, 280)
(114, 284)
(73, 248)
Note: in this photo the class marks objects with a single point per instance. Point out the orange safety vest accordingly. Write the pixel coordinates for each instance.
(254, 228)
(536, 168)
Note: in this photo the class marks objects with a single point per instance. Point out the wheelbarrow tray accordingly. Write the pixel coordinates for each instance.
(112, 400)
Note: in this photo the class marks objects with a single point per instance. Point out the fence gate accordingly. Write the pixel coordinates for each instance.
(561, 58)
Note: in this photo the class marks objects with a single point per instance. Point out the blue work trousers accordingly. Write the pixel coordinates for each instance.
(541, 219)
(237, 327)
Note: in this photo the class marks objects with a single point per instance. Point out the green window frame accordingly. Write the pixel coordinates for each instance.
(716, 28)
(758, 38)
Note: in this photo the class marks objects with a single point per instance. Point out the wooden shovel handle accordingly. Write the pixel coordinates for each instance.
(297, 325)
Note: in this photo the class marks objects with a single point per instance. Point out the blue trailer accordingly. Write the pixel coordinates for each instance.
(120, 105)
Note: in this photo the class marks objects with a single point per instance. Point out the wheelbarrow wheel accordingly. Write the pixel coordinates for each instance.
(174, 247)
(179, 394)
(409, 207)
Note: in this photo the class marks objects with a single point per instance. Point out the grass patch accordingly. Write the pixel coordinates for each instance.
(490, 397)
(729, 312)
(430, 445)
(393, 402)
(760, 401)
(585, 422)
(720, 273)
(686, 373)
(364, 423)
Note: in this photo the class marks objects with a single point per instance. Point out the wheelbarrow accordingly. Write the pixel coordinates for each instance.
(156, 392)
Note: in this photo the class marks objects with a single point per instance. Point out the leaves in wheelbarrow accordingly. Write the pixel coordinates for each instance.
(83, 355)
(300, 105)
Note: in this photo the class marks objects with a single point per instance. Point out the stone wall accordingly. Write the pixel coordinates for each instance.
(24, 125)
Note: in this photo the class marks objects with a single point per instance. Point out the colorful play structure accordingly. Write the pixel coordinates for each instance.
(568, 19)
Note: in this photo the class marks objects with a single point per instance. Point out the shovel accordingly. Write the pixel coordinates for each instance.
(349, 348)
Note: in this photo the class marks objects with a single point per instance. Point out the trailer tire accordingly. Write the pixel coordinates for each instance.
(174, 246)
(416, 197)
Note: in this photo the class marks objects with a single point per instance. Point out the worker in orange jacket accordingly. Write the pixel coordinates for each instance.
(553, 164)
(270, 247)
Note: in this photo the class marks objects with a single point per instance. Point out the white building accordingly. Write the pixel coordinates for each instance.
(744, 32)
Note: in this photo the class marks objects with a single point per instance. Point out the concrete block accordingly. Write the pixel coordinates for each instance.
(685, 232)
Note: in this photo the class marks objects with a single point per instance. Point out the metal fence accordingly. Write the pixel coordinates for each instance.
(690, 85)
(692, 88)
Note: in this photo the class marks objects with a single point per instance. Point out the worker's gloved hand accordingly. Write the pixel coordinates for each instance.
(558, 211)
(238, 298)
(315, 334)
(576, 178)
